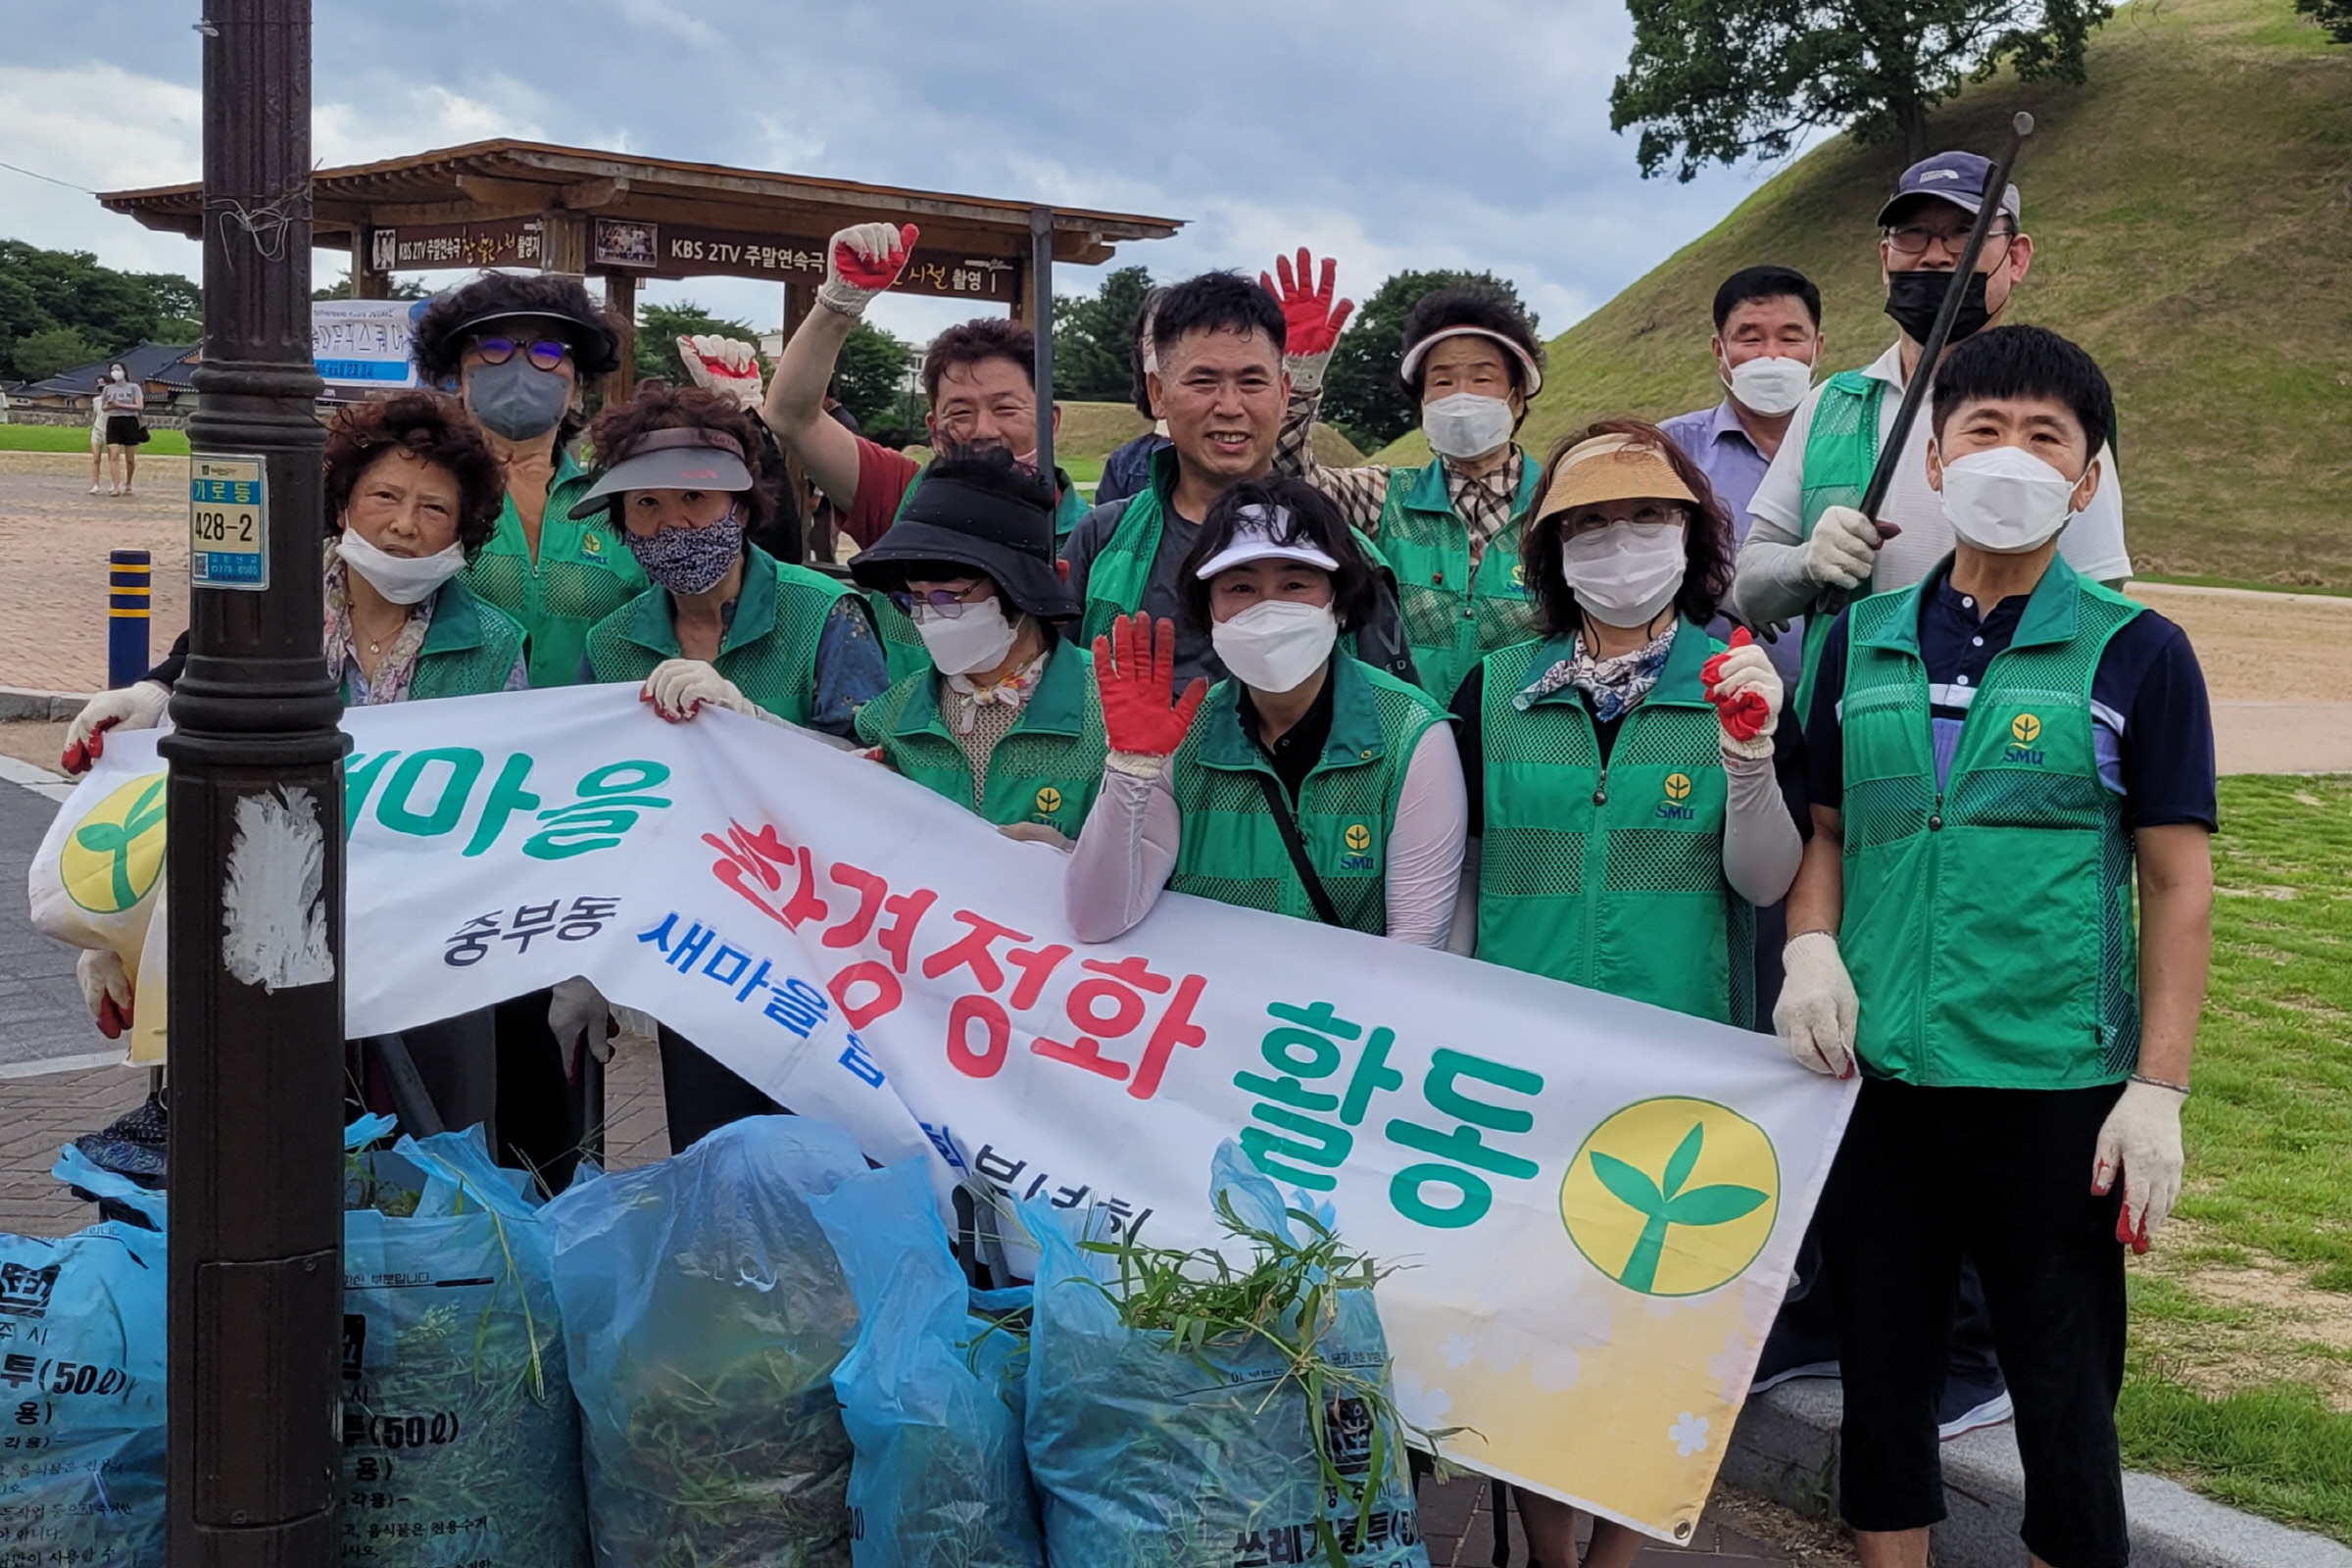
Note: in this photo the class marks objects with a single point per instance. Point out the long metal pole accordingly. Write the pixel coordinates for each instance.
(1041, 279)
(256, 858)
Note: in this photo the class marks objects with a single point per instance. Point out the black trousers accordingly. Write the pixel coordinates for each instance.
(1923, 1176)
(701, 1094)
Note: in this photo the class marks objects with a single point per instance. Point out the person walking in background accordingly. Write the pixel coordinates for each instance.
(122, 402)
(97, 444)
(2003, 755)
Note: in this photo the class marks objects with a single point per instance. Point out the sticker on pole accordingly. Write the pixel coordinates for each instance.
(229, 522)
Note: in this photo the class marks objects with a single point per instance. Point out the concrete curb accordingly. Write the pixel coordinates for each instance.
(26, 702)
(1785, 1449)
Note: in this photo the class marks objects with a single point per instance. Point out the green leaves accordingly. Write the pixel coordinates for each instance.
(1663, 1204)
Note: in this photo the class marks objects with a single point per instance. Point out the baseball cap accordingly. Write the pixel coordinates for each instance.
(1957, 177)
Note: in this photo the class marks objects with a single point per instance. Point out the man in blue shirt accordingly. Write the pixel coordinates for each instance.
(1767, 341)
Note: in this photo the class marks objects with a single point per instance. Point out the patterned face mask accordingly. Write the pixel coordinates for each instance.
(691, 561)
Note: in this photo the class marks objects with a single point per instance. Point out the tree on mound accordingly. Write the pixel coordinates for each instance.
(1722, 80)
(2334, 15)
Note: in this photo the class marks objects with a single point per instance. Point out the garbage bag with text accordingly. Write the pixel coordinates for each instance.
(81, 1387)
(461, 1442)
(1189, 1412)
(940, 1476)
(705, 1313)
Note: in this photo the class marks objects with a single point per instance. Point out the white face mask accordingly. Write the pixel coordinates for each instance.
(1274, 647)
(1626, 573)
(403, 579)
(1466, 425)
(977, 639)
(2006, 500)
(1770, 386)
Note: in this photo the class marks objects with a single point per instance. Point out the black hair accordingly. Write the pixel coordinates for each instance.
(987, 337)
(1313, 521)
(2027, 361)
(1479, 304)
(684, 408)
(1765, 283)
(1138, 345)
(1216, 302)
(992, 471)
(440, 347)
(1707, 539)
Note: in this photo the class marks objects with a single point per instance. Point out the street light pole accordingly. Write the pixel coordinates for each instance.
(255, 853)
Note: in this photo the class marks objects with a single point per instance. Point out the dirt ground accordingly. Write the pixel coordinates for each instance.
(2277, 708)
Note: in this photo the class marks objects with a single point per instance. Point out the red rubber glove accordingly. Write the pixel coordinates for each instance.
(1312, 322)
(873, 272)
(1134, 669)
(1745, 713)
(80, 756)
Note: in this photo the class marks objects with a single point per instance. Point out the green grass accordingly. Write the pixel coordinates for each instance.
(76, 438)
(2188, 213)
(2269, 1135)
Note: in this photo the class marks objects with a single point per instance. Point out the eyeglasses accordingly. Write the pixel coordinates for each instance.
(545, 353)
(1913, 240)
(948, 603)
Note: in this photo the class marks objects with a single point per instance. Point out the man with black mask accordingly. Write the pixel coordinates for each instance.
(1808, 538)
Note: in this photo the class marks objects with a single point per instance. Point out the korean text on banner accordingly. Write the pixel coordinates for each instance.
(1598, 1203)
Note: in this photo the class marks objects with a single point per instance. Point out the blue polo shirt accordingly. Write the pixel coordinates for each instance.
(2151, 722)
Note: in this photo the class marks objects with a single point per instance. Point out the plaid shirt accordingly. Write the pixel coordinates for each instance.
(1482, 501)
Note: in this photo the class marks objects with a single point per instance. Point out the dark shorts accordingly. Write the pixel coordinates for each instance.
(2004, 1177)
(125, 430)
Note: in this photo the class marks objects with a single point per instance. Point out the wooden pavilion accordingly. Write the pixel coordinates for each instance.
(624, 218)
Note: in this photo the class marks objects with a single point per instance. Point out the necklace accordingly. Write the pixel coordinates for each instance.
(375, 642)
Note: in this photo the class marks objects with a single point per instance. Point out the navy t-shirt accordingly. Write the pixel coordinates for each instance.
(2151, 722)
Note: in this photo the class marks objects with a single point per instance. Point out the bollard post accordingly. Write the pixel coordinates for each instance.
(126, 597)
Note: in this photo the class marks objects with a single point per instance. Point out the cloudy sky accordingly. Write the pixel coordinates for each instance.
(1390, 134)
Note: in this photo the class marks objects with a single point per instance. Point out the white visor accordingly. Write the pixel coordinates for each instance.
(1412, 358)
(1253, 539)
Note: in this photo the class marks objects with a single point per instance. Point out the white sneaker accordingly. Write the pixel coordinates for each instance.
(94, 489)
(1992, 1413)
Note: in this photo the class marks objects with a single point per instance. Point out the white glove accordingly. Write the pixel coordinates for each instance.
(1843, 549)
(863, 261)
(680, 688)
(725, 365)
(138, 705)
(576, 1010)
(1818, 1007)
(2141, 1137)
(105, 990)
(1745, 669)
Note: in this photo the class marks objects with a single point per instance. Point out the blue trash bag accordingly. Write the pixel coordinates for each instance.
(461, 1442)
(705, 1313)
(1143, 1453)
(81, 1385)
(940, 1476)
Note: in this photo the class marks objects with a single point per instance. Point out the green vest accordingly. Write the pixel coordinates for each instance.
(582, 573)
(769, 651)
(1988, 924)
(469, 647)
(1232, 851)
(1841, 448)
(1047, 769)
(1454, 616)
(1611, 876)
(902, 646)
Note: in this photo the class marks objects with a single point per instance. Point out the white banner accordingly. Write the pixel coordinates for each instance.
(1596, 1203)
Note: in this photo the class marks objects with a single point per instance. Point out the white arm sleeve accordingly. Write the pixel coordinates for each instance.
(1124, 854)
(2094, 543)
(1769, 581)
(1760, 843)
(1427, 840)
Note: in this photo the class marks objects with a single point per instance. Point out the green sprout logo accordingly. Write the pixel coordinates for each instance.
(1665, 1202)
(115, 864)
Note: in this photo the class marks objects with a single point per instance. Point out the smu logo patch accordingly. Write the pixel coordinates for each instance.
(2023, 730)
(1678, 791)
(1358, 839)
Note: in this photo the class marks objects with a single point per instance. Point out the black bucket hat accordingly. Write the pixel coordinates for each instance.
(679, 458)
(982, 513)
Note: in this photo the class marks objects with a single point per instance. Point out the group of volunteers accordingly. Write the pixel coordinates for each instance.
(1600, 713)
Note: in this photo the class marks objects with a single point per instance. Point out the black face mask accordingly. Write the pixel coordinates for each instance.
(1914, 298)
